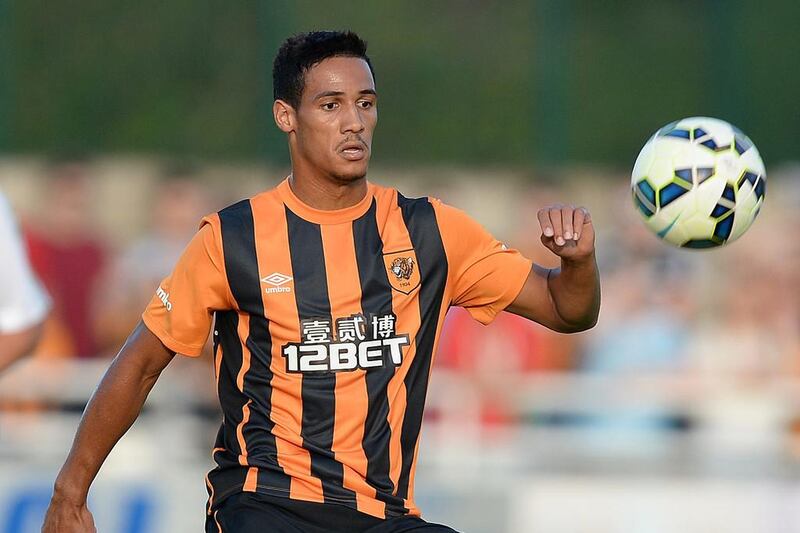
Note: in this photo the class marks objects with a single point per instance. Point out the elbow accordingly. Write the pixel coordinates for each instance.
(577, 326)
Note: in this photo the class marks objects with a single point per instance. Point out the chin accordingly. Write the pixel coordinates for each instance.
(354, 173)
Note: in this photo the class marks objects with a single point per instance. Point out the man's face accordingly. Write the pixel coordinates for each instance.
(336, 118)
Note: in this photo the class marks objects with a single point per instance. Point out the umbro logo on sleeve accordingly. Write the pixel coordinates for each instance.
(164, 297)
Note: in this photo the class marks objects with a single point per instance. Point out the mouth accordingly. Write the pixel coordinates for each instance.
(353, 151)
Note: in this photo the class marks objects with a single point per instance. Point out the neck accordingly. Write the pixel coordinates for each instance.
(327, 193)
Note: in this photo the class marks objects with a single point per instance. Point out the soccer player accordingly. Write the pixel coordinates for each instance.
(23, 302)
(327, 296)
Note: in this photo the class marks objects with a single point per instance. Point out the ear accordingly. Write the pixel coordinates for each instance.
(284, 115)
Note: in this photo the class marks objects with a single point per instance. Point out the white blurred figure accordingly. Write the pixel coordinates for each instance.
(23, 302)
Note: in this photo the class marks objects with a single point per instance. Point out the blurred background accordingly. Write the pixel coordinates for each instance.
(121, 123)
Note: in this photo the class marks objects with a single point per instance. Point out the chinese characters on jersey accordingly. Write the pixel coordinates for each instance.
(346, 344)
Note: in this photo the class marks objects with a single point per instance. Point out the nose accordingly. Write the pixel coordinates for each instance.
(352, 121)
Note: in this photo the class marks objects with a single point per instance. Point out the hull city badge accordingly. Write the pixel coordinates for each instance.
(402, 270)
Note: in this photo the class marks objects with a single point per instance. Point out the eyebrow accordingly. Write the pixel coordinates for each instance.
(340, 93)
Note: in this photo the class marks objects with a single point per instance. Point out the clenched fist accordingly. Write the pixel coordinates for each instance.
(567, 231)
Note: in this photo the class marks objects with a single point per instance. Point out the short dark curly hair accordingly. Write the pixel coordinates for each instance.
(302, 51)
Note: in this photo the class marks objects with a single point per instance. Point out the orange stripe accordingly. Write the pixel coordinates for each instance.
(217, 363)
(344, 292)
(208, 481)
(240, 432)
(251, 481)
(211, 490)
(244, 332)
(216, 521)
(272, 249)
(406, 308)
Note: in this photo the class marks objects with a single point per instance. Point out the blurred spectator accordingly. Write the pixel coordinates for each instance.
(68, 257)
(178, 203)
(491, 358)
(645, 324)
(23, 303)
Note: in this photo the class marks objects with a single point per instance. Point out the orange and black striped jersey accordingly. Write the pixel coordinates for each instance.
(325, 326)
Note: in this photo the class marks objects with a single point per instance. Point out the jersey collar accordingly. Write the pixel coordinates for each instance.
(322, 216)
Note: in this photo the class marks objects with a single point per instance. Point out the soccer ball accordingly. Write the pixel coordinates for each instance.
(699, 183)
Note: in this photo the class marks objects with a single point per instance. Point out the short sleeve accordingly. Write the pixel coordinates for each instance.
(485, 275)
(181, 311)
(23, 301)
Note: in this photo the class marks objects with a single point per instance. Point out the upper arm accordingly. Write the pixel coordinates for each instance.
(484, 274)
(181, 312)
(145, 351)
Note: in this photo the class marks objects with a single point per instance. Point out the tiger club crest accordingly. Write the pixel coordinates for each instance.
(401, 268)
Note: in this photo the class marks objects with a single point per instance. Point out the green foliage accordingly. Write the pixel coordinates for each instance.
(479, 82)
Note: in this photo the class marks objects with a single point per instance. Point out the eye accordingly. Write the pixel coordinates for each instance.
(329, 106)
(366, 104)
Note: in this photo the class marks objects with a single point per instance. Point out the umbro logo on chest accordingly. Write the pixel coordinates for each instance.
(277, 283)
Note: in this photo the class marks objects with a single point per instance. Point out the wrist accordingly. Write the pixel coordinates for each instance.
(69, 493)
(579, 261)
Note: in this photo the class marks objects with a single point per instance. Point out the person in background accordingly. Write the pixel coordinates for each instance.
(178, 202)
(23, 302)
(68, 258)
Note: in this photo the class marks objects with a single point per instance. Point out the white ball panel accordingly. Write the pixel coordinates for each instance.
(689, 216)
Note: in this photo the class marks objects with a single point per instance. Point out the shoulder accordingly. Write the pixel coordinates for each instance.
(245, 210)
(424, 209)
(409, 205)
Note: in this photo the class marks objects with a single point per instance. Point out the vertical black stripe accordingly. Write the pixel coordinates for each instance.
(241, 265)
(376, 299)
(420, 219)
(230, 399)
(228, 476)
(319, 389)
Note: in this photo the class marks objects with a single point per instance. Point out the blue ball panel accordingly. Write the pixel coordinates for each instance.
(747, 176)
(724, 227)
(741, 145)
(709, 144)
(719, 210)
(729, 193)
(703, 173)
(642, 206)
(682, 134)
(669, 193)
(684, 174)
(761, 188)
(647, 191)
(701, 243)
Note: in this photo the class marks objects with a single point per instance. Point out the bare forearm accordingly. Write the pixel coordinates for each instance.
(111, 411)
(14, 346)
(575, 292)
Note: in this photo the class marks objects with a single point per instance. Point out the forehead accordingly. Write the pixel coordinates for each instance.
(345, 74)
